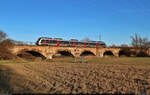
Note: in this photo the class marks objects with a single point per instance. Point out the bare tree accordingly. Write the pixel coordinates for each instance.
(2, 36)
(145, 43)
(124, 45)
(141, 44)
(135, 40)
(113, 46)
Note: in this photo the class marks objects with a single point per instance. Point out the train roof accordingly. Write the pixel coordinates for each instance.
(45, 38)
(100, 42)
(73, 40)
(58, 38)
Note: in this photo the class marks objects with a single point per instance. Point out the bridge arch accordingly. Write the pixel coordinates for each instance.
(108, 53)
(64, 53)
(142, 54)
(30, 54)
(87, 53)
(124, 53)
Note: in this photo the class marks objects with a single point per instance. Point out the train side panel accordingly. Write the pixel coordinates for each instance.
(54, 42)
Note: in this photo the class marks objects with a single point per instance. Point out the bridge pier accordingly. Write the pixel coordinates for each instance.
(49, 56)
(116, 54)
(101, 54)
(148, 52)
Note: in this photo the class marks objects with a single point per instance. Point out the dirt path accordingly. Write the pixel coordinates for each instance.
(78, 78)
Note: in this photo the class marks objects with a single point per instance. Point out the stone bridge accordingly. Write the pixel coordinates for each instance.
(50, 51)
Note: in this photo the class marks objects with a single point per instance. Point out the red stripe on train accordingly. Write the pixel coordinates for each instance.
(57, 43)
(84, 44)
(74, 43)
(96, 44)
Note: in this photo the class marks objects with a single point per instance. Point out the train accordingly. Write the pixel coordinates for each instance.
(44, 41)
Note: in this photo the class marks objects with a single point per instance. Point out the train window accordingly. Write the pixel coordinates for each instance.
(92, 43)
(66, 42)
(77, 43)
(100, 44)
(71, 43)
(61, 42)
(50, 41)
(82, 43)
(54, 41)
(47, 41)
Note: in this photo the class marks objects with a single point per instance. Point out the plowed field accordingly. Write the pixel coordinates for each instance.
(109, 75)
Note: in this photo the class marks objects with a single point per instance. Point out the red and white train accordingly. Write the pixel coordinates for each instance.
(43, 41)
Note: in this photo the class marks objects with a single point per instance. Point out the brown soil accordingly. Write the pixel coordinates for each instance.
(77, 78)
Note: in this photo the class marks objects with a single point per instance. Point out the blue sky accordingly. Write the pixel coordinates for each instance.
(114, 20)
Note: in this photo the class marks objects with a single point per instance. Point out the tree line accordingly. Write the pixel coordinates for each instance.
(140, 42)
(137, 42)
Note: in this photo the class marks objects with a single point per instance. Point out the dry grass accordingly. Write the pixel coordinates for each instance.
(62, 76)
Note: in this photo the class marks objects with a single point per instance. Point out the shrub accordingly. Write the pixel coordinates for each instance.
(5, 45)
